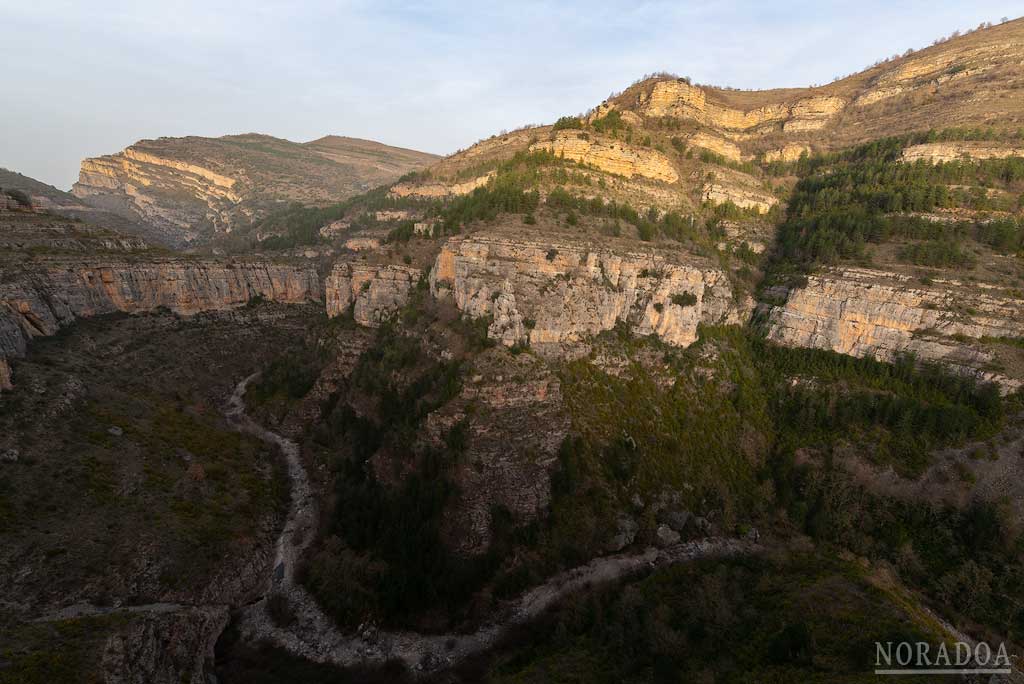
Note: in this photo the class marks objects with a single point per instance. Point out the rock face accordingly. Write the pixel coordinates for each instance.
(554, 293)
(502, 406)
(173, 195)
(371, 292)
(812, 113)
(739, 188)
(38, 301)
(719, 193)
(717, 145)
(611, 156)
(192, 188)
(678, 98)
(438, 189)
(787, 153)
(953, 61)
(864, 312)
(953, 151)
(169, 648)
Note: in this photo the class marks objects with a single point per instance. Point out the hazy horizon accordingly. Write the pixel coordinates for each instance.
(431, 76)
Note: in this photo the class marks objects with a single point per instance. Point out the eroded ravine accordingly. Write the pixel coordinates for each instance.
(313, 635)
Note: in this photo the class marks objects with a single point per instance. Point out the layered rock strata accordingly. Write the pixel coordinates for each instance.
(955, 151)
(38, 301)
(863, 312)
(371, 293)
(611, 156)
(553, 293)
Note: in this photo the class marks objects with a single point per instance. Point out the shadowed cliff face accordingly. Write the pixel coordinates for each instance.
(40, 299)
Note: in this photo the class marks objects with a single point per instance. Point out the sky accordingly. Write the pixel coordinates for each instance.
(84, 78)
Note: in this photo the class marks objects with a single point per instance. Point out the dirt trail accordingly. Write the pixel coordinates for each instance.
(313, 634)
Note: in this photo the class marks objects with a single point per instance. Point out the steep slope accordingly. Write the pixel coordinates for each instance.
(668, 143)
(973, 80)
(195, 188)
(681, 316)
(720, 169)
(48, 198)
(55, 270)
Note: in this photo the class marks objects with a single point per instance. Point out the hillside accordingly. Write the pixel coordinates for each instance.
(50, 199)
(702, 385)
(665, 137)
(193, 189)
(684, 313)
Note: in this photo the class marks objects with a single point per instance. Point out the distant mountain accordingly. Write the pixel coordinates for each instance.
(191, 189)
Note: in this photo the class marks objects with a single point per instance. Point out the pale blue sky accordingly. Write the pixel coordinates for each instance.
(84, 78)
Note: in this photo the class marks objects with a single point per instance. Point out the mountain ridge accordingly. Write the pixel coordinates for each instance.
(194, 188)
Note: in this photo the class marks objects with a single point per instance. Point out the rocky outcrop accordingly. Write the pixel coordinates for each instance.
(864, 312)
(502, 406)
(612, 156)
(877, 95)
(744, 197)
(787, 153)
(955, 151)
(439, 189)
(173, 195)
(717, 145)
(554, 294)
(165, 648)
(812, 113)
(37, 301)
(372, 293)
(606, 108)
(678, 98)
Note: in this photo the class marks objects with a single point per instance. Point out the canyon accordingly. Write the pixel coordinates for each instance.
(696, 363)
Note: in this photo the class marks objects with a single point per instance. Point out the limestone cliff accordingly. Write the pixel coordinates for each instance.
(863, 312)
(437, 189)
(678, 98)
(371, 292)
(169, 647)
(554, 293)
(787, 153)
(612, 156)
(717, 145)
(194, 188)
(954, 151)
(726, 185)
(38, 299)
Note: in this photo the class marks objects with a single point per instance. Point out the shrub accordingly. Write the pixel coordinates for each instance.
(684, 299)
(609, 123)
(567, 122)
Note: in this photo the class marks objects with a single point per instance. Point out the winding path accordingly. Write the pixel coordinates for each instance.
(313, 635)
